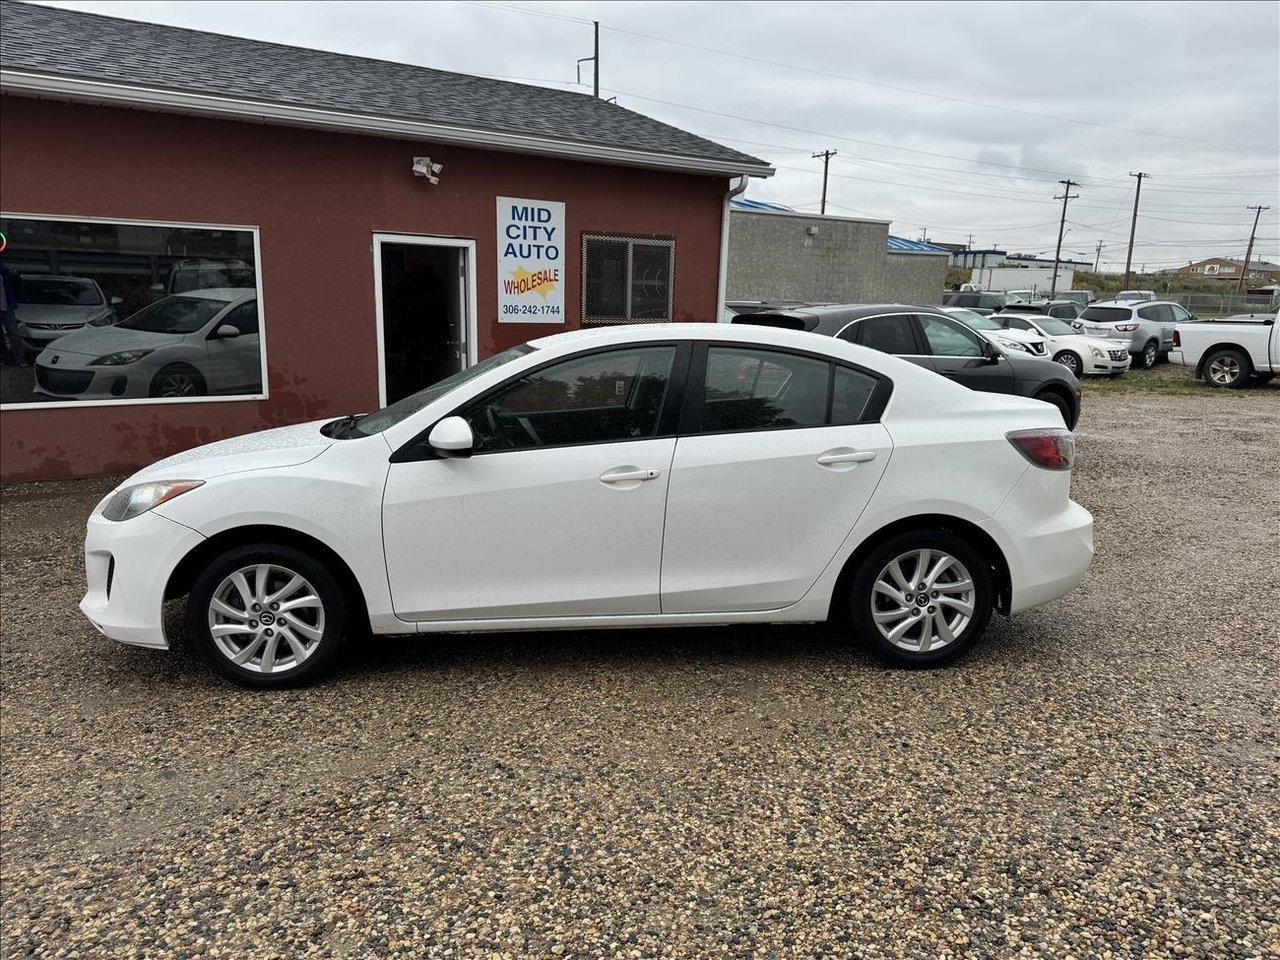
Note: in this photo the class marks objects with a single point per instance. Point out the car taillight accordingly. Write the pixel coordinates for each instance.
(1050, 448)
(1127, 327)
(1177, 338)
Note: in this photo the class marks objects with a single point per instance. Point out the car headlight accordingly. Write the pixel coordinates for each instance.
(1013, 345)
(135, 500)
(1100, 354)
(102, 320)
(119, 359)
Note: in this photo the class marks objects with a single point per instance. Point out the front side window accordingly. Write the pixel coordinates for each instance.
(102, 311)
(1017, 323)
(627, 279)
(889, 334)
(1179, 313)
(763, 390)
(598, 398)
(947, 339)
(244, 318)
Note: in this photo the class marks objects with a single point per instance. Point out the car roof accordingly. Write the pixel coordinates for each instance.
(55, 276)
(220, 293)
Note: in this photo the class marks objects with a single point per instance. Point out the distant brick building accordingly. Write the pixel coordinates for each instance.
(1228, 268)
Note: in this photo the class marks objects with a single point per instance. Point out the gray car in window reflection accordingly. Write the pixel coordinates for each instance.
(189, 345)
(50, 307)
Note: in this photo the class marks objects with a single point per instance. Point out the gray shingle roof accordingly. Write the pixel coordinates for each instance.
(64, 43)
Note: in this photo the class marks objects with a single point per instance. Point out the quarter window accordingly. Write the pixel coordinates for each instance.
(851, 395)
(627, 279)
(599, 398)
(946, 339)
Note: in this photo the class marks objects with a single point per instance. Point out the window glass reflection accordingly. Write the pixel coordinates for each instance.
(103, 311)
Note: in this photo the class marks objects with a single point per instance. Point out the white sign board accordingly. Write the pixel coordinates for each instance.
(530, 261)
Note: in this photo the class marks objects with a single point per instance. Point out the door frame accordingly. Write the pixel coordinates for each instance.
(470, 321)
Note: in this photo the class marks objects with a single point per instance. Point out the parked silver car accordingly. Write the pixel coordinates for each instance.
(50, 307)
(1146, 324)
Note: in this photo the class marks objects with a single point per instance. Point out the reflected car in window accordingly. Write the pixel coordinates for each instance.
(189, 345)
(640, 476)
(49, 307)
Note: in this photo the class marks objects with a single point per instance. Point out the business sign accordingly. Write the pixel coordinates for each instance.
(530, 261)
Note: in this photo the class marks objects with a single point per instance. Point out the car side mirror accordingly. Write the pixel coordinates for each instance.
(116, 301)
(990, 353)
(227, 332)
(451, 437)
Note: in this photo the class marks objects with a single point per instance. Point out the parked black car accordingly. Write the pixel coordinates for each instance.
(937, 342)
(977, 302)
(1062, 309)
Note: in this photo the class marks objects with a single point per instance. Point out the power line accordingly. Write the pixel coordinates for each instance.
(872, 83)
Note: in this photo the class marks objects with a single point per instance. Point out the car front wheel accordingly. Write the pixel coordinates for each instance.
(922, 598)
(266, 616)
(1071, 361)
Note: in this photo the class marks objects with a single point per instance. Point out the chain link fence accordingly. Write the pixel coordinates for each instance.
(1224, 304)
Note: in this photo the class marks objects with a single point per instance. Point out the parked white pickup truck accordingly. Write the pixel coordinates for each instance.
(1228, 353)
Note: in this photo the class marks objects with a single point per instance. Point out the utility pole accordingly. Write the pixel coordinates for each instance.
(826, 156)
(1097, 257)
(1133, 226)
(1257, 214)
(594, 59)
(1062, 226)
(969, 242)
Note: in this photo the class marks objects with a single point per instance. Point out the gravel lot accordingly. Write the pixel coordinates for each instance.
(1100, 778)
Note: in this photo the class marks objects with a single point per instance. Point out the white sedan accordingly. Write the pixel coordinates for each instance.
(656, 475)
(1079, 353)
(196, 343)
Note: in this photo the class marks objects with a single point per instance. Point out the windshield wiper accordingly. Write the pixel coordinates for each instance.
(340, 429)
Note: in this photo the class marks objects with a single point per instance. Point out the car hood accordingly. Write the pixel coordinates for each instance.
(99, 341)
(280, 447)
(58, 313)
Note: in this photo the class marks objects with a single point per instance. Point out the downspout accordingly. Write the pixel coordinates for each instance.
(734, 191)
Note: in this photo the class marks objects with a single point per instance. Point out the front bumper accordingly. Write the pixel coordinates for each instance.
(127, 565)
(74, 382)
(1109, 366)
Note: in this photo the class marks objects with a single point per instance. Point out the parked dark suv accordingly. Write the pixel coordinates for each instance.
(977, 302)
(937, 342)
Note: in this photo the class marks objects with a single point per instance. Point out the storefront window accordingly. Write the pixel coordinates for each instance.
(626, 280)
(99, 311)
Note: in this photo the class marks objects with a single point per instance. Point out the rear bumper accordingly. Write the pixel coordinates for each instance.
(127, 566)
(1048, 551)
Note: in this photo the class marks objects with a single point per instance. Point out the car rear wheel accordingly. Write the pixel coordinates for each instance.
(1149, 355)
(1227, 368)
(178, 380)
(266, 616)
(1071, 360)
(922, 598)
(1059, 401)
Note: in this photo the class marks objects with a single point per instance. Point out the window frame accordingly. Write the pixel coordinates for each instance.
(631, 240)
(696, 383)
(418, 448)
(913, 324)
(982, 342)
(255, 231)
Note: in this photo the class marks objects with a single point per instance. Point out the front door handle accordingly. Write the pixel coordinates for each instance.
(845, 455)
(629, 475)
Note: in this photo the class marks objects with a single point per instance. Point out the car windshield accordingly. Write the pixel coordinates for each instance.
(1055, 327)
(392, 414)
(65, 293)
(1106, 314)
(174, 315)
(975, 320)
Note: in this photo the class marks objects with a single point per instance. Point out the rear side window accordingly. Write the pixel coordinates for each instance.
(1151, 313)
(890, 334)
(1106, 314)
(763, 390)
(991, 301)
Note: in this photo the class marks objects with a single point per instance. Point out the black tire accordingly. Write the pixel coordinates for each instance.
(1227, 367)
(1059, 401)
(178, 380)
(862, 599)
(1071, 360)
(294, 560)
(1148, 357)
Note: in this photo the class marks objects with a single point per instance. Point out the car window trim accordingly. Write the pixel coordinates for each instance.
(695, 392)
(418, 448)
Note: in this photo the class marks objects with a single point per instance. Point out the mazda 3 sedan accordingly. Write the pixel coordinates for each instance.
(660, 475)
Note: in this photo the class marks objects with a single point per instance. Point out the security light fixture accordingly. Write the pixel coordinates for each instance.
(423, 167)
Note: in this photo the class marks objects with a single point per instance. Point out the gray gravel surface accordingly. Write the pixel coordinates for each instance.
(1100, 778)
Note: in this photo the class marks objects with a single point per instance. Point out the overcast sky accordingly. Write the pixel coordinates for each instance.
(995, 101)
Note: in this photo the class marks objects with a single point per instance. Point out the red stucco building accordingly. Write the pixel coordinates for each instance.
(208, 235)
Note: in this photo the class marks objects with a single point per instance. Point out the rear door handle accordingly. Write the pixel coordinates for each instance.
(845, 455)
(629, 475)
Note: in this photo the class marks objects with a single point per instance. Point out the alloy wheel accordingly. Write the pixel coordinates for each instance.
(1149, 356)
(923, 600)
(177, 385)
(1224, 370)
(266, 618)
(1070, 361)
